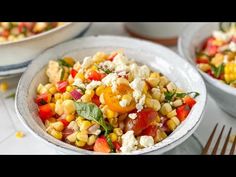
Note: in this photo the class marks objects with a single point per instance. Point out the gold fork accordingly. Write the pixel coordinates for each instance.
(205, 149)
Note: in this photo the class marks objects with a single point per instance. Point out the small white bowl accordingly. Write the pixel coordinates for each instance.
(192, 38)
(16, 55)
(157, 57)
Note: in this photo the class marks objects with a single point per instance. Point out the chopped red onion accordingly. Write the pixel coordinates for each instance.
(76, 94)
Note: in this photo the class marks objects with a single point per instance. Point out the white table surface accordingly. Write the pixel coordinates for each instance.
(9, 144)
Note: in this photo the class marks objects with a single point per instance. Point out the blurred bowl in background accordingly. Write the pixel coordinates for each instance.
(165, 33)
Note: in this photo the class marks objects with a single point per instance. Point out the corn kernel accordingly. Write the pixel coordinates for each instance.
(52, 90)
(156, 93)
(66, 96)
(79, 120)
(152, 103)
(48, 86)
(52, 119)
(3, 86)
(217, 60)
(59, 107)
(230, 72)
(160, 135)
(171, 124)
(90, 93)
(153, 81)
(69, 107)
(118, 131)
(72, 137)
(177, 103)
(57, 96)
(176, 120)
(204, 67)
(99, 57)
(165, 109)
(73, 125)
(171, 87)
(70, 80)
(109, 113)
(113, 137)
(85, 125)
(127, 98)
(81, 136)
(56, 134)
(100, 90)
(80, 76)
(70, 117)
(155, 75)
(145, 88)
(101, 99)
(80, 143)
(86, 98)
(172, 113)
(91, 139)
(19, 134)
(39, 88)
(122, 80)
(58, 126)
(113, 122)
(163, 81)
(69, 88)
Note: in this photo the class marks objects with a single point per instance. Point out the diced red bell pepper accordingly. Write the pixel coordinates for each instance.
(5, 33)
(101, 145)
(202, 60)
(95, 100)
(73, 72)
(65, 122)
(61, 86)
(150, 131)
(211, 50)
(182, 112)
(43, 99)
(45, 112)
(117, 146)
(94, 75)
(189, 101)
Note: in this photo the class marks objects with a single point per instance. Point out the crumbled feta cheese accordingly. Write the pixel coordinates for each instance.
(146, 141)
(88, 61)
(129, 142)
(137, 85)
(134, 69)
(232, 46)
(132, 116)
(221, 35)
(123, 103)
(92, 85)
(144, 72)
(120, 61)
(225, 59)
(77, 82)
(110, 80)
(108, 65)
(139, 105)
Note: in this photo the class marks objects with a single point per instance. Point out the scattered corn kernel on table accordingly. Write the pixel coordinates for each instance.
(16, 139)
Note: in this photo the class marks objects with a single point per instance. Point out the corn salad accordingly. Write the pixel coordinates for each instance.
(14, 31)
(108, 103)
(217, 56)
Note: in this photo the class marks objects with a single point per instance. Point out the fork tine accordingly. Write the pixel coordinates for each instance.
(226, 142)
(218, 142)
(233, 147)
(205, 149)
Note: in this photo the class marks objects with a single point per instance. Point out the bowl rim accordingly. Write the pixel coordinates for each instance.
(182, 51)
(169, 145)
(36, 36)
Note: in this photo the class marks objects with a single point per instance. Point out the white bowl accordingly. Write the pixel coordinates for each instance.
(157, 57)
(191, 38)
(15, 55)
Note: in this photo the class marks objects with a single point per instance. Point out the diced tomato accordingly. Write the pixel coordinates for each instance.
(101, 145)
(5, 33)
(112, 56)
(189, 101)
(117, 146)
(73, 72)
(182, 112)
(210, 73)
(45, 112)
(43, 99)
(212, 50)
(150, 131)
(95, 100)
(143, 120)
(94, 75)
(88, 147)
(65, 122)
(202, 60)
(61, 86)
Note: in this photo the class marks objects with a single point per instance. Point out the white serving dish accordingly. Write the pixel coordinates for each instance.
(156, 56)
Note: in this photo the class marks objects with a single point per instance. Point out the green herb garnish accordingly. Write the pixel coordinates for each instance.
(63, 63)
(169, 95)
(62, 73)
(90, 111)
(217, 71)
(81, 89)
(107, 71)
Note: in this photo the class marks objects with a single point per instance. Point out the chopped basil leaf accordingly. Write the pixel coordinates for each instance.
(217, 71)
(63, 63)
(169, 96)
(182, 95)
(12, 95)
(81, 89)
(105, 70)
